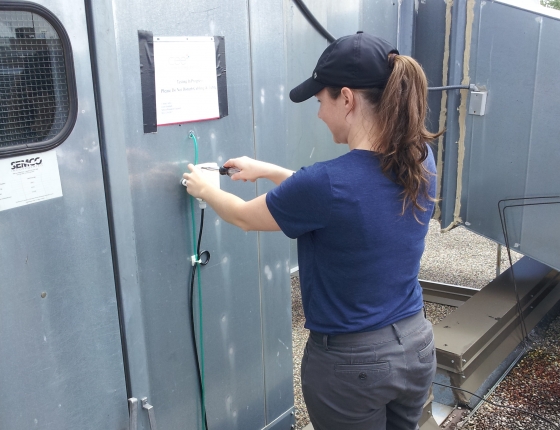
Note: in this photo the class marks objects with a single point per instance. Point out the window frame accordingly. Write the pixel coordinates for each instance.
(46, 145)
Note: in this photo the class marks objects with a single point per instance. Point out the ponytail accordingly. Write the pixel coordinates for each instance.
(401, 132)
(401, 135)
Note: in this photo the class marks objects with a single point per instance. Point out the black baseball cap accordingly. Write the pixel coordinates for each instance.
(357, 61)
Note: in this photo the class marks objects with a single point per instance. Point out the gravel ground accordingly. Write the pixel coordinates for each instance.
(463, 258)
(533, 385)
(299, 338)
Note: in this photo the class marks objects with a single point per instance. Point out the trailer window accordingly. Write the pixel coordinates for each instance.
(37, 87)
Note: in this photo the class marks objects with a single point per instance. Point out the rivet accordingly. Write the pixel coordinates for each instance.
(453, 361)
(43, 294)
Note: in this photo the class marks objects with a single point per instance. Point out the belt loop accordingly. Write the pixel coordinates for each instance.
(325, 344)
(397, 333)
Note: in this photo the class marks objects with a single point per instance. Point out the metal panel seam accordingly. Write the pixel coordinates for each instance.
(443, 110)
(261, 310)
(463, 113)
(108, 196)
(116, 180)
(532, 126)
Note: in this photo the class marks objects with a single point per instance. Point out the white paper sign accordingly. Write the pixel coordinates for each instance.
(29, 179)
(186, 82)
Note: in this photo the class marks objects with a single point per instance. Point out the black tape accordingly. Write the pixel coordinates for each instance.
(221, 74)
(148, 80)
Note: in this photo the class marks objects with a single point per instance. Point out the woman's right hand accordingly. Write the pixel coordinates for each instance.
(251, 170)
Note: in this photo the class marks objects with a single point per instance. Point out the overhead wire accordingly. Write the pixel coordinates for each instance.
(313, 21)
(503, 222)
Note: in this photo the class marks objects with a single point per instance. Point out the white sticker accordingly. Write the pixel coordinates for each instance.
(185, 77)
(29, 179)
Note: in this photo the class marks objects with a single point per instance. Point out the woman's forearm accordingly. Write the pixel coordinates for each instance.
(251, 215)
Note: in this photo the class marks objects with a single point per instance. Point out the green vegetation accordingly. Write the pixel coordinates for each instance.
(555, 4)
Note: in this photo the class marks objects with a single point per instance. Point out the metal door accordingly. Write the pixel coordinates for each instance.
(61, 364)
(245, 288)
(511, 151)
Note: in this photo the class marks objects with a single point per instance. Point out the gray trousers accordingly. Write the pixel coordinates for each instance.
(375, 380)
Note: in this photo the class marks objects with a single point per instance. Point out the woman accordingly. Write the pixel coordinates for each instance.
(360, 221)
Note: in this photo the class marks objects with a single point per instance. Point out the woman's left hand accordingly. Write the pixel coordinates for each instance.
(196, 182)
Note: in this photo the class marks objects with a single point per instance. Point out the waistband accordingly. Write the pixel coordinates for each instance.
(396, 331)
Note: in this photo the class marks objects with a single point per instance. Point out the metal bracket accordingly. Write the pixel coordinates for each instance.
(477, 103)
(151, 413)
(132, 413)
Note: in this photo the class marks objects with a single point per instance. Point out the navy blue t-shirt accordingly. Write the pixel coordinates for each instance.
(358, 256)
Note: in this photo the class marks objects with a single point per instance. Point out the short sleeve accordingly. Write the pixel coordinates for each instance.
(302, 203)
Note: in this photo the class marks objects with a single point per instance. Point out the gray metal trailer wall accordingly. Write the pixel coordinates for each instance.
(121, 231)
(511, 151)
(61, 363)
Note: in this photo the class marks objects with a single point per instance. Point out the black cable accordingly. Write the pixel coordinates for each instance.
(450, 87)
(471, 87)
(193, 331)
(503, 222)
(313, 21)
(554, 425)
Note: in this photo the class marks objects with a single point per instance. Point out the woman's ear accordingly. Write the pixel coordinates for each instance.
(349, 98)
(347, 94)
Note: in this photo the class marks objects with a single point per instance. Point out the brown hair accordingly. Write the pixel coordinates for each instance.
(400, 109)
